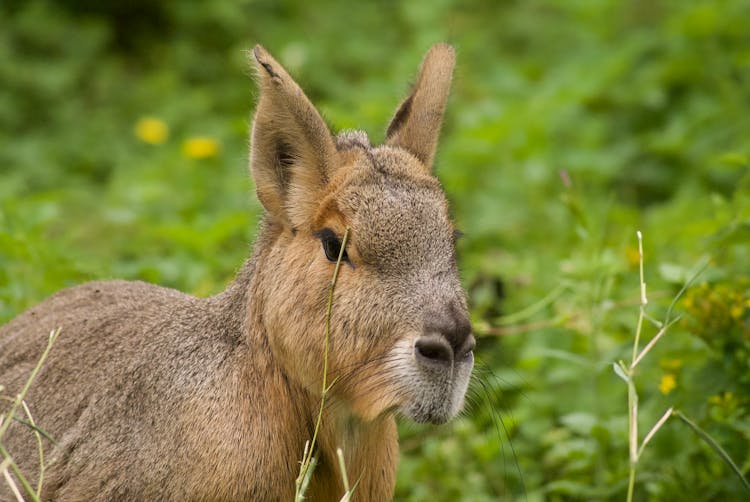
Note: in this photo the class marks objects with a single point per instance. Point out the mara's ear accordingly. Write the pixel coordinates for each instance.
(416, 124)
(292, 151)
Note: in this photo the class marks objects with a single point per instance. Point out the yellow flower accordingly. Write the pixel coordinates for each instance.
(723, 399)
(151, 130)
(668, 383)
(200, 147)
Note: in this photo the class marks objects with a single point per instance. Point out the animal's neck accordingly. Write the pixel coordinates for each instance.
(370, 452)
(240, 303)
(370, 449)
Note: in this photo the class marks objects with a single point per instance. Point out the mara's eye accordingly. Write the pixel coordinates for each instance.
(332, 245)
(332, 248)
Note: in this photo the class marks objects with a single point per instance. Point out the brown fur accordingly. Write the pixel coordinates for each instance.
(154, 394)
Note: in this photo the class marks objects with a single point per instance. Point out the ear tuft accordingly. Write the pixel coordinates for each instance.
(416, 124)
(262, 57)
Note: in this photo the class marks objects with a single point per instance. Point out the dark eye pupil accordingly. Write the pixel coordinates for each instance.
(332, 249)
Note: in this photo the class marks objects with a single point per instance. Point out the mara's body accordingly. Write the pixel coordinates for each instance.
(154, 394)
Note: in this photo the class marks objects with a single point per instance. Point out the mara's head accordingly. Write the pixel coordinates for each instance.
(400, 338)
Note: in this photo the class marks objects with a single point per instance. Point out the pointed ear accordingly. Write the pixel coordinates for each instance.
(292, 151)
(416, 124)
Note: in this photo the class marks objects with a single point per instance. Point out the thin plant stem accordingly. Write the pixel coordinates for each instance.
(342, 466)
(638, 328)
(12, 484)
(307, 460)
(40, 447)
(631, 484)
(627, 373)
(653, 430)
(304, 481)
(632, 394)
(632, 435)
(36, 429)
(345, 478)
(644, 300)
(17, 472)
(650, 345)
(20, 397)
(11, 416)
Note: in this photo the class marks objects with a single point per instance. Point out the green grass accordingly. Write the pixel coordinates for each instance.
(10, 415)
(571, 125)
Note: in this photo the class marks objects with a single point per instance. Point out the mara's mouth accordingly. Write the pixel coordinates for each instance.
(405, 384)
(437, 394)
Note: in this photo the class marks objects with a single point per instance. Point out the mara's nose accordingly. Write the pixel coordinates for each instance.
(447, 338)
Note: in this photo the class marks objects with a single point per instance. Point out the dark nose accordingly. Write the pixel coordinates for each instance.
(447, 338)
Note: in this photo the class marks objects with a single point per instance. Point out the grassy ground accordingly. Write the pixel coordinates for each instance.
(123, 153)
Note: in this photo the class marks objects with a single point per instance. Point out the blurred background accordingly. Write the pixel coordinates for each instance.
(123, 153)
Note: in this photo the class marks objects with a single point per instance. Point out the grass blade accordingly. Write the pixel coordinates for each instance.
(713, 444)
(654, 429)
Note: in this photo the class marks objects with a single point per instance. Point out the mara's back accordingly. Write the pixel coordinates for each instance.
(119, 388)
(152, 394)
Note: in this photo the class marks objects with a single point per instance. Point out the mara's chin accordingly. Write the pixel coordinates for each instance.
(435, 417)
(437, 401)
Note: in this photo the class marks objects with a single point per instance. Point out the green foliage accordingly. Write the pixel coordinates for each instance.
(571, 126)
